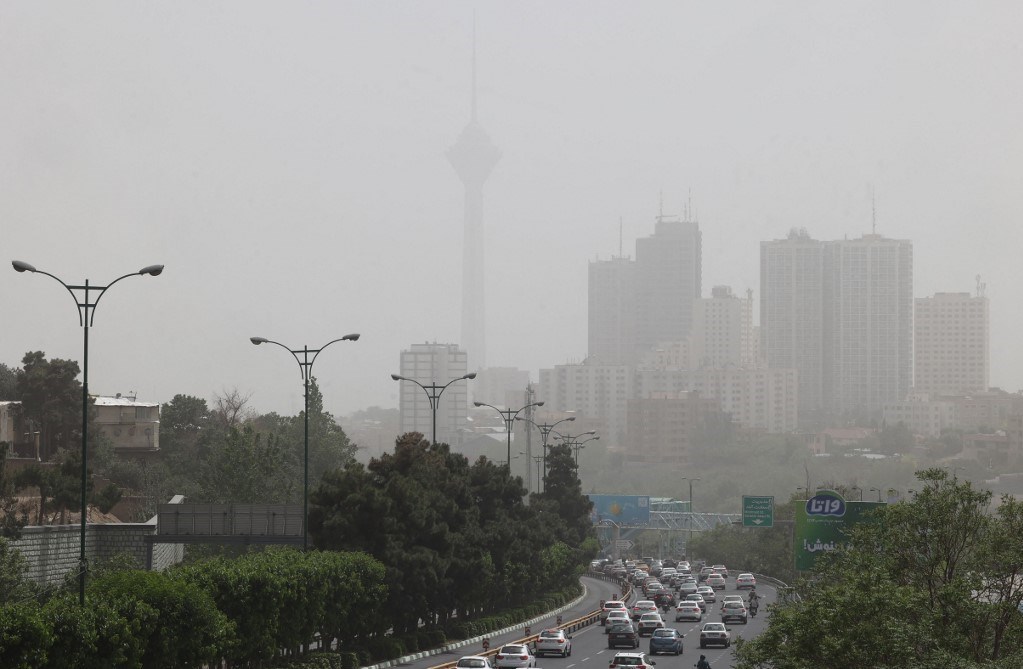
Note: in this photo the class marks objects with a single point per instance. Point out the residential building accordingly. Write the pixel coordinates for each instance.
(434, 364)
(662, 428)
(951, 344)
(590, 390)
(922, 413)
(668, 279)
(133, 427)
(758, 398)
(611, 314)
(722, 333)
(792, 312)
(868, 324)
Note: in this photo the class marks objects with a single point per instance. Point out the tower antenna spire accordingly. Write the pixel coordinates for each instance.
(873, 211)
(473, 111)
(620, 237)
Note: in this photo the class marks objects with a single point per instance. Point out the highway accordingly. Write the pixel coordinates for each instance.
(589, 645)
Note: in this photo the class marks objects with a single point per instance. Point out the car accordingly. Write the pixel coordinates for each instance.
(745, 581)
(732, 598)
(616, 617)
(687, 588)
(553, 642)
(514, 655)
(716, 581)
(721, 569)
(734, 611)
(623, 634)
(688, 611)
(705, 572)
(609, 606)
(631, 661)
(643, 606)
(649, 622)
(700, 601)
(708, 594)
(715, 634)
(474, 662)
(666, 640)
(651, 589)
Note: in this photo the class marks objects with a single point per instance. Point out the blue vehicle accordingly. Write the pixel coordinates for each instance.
(666, 640)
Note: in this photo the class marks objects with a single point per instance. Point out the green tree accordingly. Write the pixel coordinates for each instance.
(51, 398)
(8, 384)
(247, 467)
(936, 575)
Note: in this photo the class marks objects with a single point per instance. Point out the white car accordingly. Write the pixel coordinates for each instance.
(708, 594)
(745, 581)
(643, 606)
(734, 611)
(716, 581)
(553, 642)
(616, 616)
(698, 599)
(731, 598)
(612, 605)
(715, 634)
(688, 611)
(474, 662)
(649, 622)
(721, 569)
(514, 656)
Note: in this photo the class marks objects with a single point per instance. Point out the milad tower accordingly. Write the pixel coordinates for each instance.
(473, 156)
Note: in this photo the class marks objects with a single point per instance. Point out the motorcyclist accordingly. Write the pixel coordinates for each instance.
(754, 601)
(703, 663)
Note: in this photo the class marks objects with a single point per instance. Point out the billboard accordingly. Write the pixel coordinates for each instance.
(620, 509)
(822, 523)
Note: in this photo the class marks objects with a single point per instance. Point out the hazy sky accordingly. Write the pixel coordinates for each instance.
(285, 161)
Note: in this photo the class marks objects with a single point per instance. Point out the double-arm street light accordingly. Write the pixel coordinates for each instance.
(690, 539)
(434, 391)
(509, 416)
(305, 365)
(574, 443)
(86, 298)
(878, 490)
(545, 432)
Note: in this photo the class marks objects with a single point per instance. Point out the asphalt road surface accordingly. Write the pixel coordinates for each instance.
(589, 645)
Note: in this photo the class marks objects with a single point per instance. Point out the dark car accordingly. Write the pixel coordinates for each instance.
(666, 640)
(623, 634)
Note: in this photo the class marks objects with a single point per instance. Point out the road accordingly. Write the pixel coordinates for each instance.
(589, 645)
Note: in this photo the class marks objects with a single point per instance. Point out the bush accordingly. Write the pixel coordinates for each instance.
(24, 637)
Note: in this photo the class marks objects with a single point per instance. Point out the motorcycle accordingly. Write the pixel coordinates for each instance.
(753, 609)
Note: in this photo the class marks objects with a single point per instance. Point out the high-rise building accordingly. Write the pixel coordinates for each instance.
(590, 390)
(951, 344)
(474, 156)
(792, 312)
(723, 330)
(668, 282)
(868, 323)
(611, 315)
(434, 364)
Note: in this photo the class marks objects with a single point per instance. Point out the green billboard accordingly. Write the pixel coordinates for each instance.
(822, 525)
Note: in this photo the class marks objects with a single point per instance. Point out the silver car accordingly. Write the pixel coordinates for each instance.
(553, 642)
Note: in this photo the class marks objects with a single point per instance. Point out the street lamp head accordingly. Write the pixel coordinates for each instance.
(258, 340)
(22, 266)
(152, 270)
(478, 404)
(351, 337)
(570, 418)
(395, 377)
(590, 432)
(470, 375)
(538, 404)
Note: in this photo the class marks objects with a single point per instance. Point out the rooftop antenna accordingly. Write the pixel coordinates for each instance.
(689, 206)
(620, 252)
(474, 66)
(873, 211)
(660, 215)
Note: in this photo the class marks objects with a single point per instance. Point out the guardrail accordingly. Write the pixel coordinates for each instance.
(530, 638)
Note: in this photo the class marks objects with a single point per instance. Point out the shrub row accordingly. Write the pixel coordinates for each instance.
(246, 611)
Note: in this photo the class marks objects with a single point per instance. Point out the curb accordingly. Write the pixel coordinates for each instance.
(479, 639)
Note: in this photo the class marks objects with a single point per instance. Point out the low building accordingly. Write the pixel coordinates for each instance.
(132, 426)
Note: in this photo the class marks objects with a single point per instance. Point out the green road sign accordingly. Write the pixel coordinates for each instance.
(757, 511)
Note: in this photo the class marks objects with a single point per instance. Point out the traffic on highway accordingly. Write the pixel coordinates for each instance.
(667, 621)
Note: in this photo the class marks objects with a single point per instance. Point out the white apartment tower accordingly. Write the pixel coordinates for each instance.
(668, 282)
(611, 316)
(868, 323)
(722, 333)
(434, 364)
(951, 344)
(792, 312)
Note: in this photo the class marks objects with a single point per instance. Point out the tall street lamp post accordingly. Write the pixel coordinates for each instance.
(86, 314)
(574, 443)
(305, 366)
(509, 420)
(538, 459)
(545, 431)
(690, 539)
(878, 490)
(434, 391)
